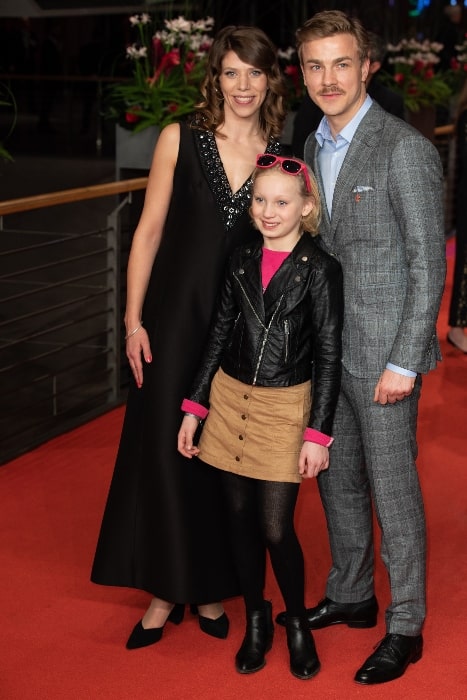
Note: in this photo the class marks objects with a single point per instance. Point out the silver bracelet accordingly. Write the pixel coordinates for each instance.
(193, 415)
(135, 330)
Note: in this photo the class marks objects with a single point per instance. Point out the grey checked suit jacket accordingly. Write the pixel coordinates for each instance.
(387, 231)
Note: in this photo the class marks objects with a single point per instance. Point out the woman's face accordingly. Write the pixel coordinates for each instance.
(244, 87)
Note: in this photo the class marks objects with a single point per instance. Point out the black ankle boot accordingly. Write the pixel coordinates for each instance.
(304, 662)
(257, 641)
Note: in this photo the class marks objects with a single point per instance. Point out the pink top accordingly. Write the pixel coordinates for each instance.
(270, 263)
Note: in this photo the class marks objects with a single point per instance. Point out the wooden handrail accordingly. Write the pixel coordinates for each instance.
(446, 130)
(40, 201)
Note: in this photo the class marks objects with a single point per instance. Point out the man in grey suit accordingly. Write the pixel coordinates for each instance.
(382, 187)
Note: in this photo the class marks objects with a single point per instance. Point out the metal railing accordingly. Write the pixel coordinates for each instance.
(60, 316)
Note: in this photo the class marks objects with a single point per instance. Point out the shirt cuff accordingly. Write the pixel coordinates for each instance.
(312, 435)
(400, 370)
(192, 407)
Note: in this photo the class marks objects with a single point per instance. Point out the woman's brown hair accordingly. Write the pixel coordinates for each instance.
(253, 47)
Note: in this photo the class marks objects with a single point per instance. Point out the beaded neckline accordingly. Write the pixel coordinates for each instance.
(231, 204)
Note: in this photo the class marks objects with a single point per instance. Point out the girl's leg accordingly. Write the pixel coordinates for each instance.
(276, 502)
(247, 539)
(249, 554)
(276, 508)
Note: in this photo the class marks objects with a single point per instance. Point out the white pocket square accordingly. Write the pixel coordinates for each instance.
(363, 188)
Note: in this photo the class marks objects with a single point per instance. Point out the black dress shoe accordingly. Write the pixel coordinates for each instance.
(327, 612)
(304, 662)
(391, 658)
(257, 641)
(141, 637)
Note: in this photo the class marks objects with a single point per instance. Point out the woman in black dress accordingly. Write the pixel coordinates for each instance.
(163, 529)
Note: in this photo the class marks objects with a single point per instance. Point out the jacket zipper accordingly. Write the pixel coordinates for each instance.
(266, 328)
(287, 336)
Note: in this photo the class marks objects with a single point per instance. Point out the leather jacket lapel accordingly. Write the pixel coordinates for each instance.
(249, 278)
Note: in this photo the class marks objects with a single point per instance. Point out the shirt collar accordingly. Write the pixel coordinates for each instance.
(323, 132)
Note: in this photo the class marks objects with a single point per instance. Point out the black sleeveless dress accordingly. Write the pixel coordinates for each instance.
(163, 529)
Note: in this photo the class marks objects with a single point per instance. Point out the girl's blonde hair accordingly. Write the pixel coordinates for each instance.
(310, 222)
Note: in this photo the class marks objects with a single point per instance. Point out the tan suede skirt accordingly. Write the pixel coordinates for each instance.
(255, 431)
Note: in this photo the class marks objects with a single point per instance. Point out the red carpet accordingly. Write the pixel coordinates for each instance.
(63, 637)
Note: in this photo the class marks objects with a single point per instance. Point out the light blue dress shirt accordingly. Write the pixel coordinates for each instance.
(330, 158)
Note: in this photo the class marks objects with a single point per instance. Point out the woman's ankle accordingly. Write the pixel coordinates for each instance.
(211, 610)
(157, 613)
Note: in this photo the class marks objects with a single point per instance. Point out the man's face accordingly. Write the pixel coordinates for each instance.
(335, 77)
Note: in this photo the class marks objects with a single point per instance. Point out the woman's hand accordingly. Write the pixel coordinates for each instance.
(137, 348)
(185, 437)
(313, 459)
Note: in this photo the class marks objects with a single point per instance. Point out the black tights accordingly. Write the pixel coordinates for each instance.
(261, 515)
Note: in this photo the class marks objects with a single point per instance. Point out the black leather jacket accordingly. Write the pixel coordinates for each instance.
(287, 336)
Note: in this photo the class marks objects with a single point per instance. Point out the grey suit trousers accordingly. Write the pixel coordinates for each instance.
(373, 458)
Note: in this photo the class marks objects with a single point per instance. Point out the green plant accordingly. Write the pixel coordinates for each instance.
(414, 73)
(7, 100)
(167, 69)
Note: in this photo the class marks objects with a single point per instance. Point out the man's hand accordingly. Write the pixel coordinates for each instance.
(393, 387)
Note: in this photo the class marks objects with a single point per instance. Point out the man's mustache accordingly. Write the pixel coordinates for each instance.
(331, 91)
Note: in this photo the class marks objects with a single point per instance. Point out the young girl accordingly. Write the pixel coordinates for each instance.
(274, 343)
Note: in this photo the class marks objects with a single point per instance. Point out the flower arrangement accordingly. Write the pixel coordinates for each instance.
(457, 75)
(290, 65)
(167, 69)
(415, 76)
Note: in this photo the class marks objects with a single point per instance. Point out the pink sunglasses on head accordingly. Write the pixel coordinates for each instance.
(290, 166)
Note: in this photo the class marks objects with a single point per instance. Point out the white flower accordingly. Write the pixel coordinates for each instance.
(180, 24)
(136, 52)
(287, 53)
(140, 19)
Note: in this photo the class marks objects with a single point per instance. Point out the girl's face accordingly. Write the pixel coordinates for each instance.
(277, 208)
(243, 87)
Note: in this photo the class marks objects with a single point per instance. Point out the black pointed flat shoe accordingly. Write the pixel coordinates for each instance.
(218, 628)
(141, 637)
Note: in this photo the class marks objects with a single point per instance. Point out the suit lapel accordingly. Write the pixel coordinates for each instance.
(364, 142)
(354, 165)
